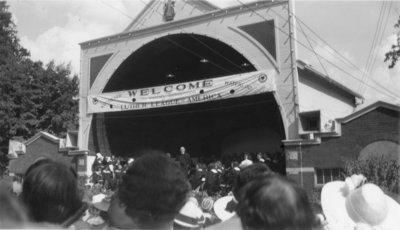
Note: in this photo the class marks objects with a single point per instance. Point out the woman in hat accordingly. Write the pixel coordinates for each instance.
(354, 204)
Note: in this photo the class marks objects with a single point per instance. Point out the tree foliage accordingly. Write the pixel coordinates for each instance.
(33, 96)
(378, 169)
(393, 54)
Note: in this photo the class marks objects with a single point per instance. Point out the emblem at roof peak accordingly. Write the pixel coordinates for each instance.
(169, 10)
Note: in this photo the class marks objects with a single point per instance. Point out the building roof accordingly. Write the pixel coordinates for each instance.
(204, 5)
(46, 135)
(369, 108)
(207, 16)
(21, 164)
(304, 66)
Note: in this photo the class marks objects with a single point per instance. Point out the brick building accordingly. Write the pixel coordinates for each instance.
(41, 145)
(373, 129)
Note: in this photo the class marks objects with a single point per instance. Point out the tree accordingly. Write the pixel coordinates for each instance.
(33, 97)
(10, 47)
(394, 53)
(378, 169)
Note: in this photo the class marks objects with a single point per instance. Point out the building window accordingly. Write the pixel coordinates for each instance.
(312, 124)
(323, 176)
(310, 121)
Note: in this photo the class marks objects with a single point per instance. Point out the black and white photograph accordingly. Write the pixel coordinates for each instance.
(200, 114)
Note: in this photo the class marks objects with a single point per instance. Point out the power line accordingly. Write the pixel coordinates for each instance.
(373, 44)
(349, 74)
(386, 91)
(380, 40)
(284, 32)
(331, 48)
(319, 60)
(337, 52)
(116, 9)
(342, 58)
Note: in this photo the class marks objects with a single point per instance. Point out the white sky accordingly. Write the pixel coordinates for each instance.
(53, 29)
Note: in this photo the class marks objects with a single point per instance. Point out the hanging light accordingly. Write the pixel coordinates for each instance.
(203, 60)
(170, 75)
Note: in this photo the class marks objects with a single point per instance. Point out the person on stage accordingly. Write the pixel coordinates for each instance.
(184, 159)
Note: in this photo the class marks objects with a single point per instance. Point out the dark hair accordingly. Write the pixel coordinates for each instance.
(275, 203)
(248, 174)
(153, 189)
(50, 192)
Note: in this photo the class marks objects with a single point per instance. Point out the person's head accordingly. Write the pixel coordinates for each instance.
(182, 150)
(246, 156)
(248, 174)
(99, 157)
(234, 164)
(274, 203)
(212, 166)
(108, 159)
(50, 192)
(17, 185)
(151, 193)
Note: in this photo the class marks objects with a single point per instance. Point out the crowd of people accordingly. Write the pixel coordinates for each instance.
(210, 174)
(155, 191)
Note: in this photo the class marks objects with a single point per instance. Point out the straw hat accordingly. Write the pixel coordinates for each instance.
(220, 208)
(190, 215)
(207, 204)
(350, 203)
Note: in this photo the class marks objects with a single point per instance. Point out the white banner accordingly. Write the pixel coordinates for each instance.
(183, 93)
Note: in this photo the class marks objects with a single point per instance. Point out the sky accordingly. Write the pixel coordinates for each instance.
(340, 32)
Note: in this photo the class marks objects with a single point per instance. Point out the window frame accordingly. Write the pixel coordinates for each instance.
(331, 176)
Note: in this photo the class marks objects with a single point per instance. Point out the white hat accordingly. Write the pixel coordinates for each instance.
(190, 215)
(100, 202)
(220, 208)
(347, 205)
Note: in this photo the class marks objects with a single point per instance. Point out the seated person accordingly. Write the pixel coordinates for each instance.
(248, 174)
(275, 203)
(212, 182)
(151, 193)
(50, 193)
(198, 178)
(246, 161)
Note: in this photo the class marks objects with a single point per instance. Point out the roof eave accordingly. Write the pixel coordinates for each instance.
(221, 13)
(325, 77)
(368, 109)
